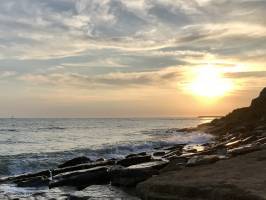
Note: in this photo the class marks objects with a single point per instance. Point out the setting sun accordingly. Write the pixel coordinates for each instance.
(209, 82)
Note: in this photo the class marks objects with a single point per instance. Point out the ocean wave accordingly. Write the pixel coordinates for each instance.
(33, 162)
(9, 130)
(51, 128)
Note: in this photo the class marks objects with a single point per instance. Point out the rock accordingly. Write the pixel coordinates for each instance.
(249, 139)
(244, 150)
(134, 160)
(81, 178)
(239, 178)
(83, 166)
(75, 161)
(130, 176)
(218, 149)
(122, 176)
(175, 147)
(191, 151)
(175, 164)
(233, 144)
(131, 155)
(25, 176)
(204, 160)
(248, 119)
(38, 181)
(159, 153)
(261, 140)
(100, 160)
(150, 165)
(176, 152)
(136, 154)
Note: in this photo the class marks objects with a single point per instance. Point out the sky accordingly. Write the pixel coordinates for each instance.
(121, 58)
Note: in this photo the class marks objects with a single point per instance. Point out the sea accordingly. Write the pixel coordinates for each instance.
(30, 145)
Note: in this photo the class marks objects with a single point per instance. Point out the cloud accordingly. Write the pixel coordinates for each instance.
(48, 29)
(7, 74)
(246, 74)
(99, 41)
(119, 80)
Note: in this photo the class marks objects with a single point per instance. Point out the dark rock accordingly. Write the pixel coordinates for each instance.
(130, 176)
(38, 181)
(142, 154)
(204, 160)
(100, 160)
(218, 149)
(131, 155)
(159, 164)
(81, 178)
(83, 166)
(248, 118)
(25, 176)
(244, 150)
(134, 160)
(176, 152)
(75, 161)
(175, 164)
(233, 144)
(175, 147)
(240, 178)
(261, 140)
(159, 153)
(136, 154)
(191, 151)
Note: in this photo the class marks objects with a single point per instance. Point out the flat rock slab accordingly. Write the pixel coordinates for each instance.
(239, 178)
(82, 178)
(153, 165)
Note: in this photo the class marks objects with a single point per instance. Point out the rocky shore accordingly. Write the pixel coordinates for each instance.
(232, 167)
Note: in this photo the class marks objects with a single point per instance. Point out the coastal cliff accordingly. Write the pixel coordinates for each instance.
(246, 121)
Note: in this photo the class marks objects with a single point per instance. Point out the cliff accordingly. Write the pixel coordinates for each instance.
(243, 121)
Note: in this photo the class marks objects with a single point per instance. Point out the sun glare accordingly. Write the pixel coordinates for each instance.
(209, 82)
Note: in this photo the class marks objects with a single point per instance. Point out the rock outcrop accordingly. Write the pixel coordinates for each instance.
(239, 178)
(246, 121)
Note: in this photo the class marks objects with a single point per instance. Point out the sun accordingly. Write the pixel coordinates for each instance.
(209, 82)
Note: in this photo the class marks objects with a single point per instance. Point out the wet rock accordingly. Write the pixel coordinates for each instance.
(249, 139)
(261, 140)
(75, 161)
(150, 165)
(83, 166)
(239, 178)
(130, 176)
(233, 144)
(159, 153)
(175, 147)
(81, 178)
(218, 149)
(191, 151)
(175, 164)
(122, 176)
(244, 150)
(176, 152)
(142, 154)
(136, 154)
(25, 176)
(134, 160)
(204, 160)
(38, 181)
(100, 160)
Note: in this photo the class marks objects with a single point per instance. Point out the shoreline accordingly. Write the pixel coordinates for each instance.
(230, 167)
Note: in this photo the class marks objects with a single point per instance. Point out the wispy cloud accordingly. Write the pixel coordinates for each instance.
(112, 45)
